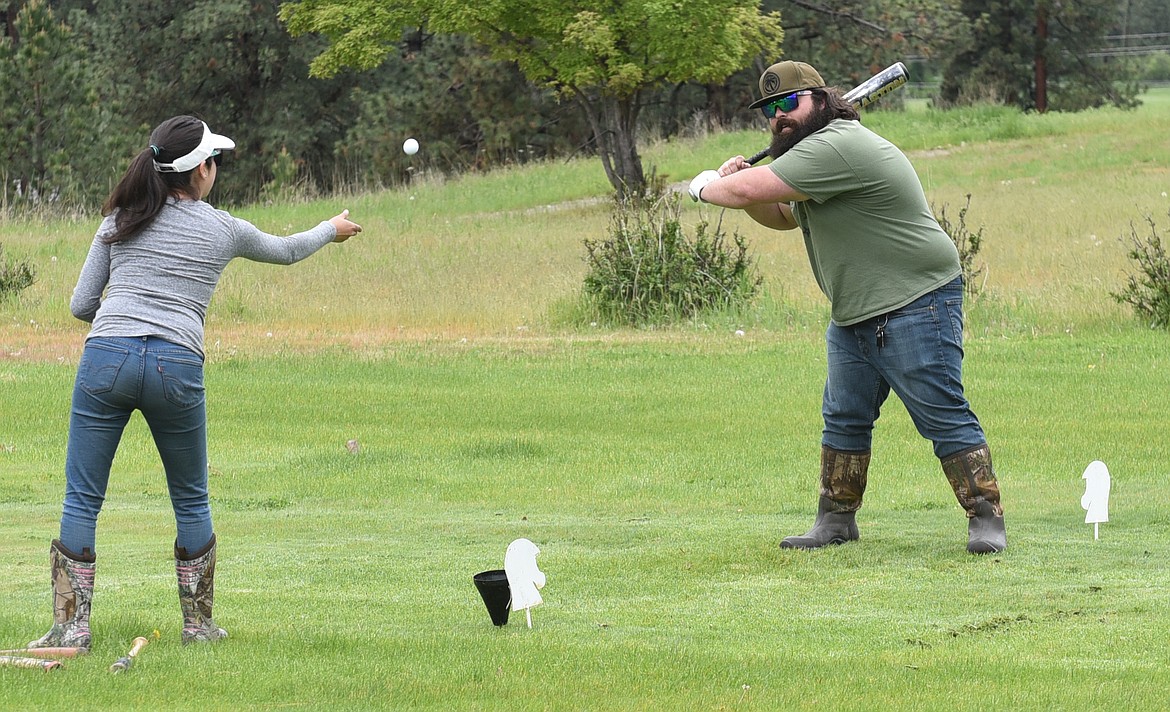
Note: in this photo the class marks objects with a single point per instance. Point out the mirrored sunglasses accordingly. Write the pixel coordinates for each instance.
(784, 104)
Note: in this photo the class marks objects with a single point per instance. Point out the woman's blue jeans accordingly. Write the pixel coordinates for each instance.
(916, 351)
(115, 377)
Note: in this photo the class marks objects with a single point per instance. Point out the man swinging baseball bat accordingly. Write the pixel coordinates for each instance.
(893, 279)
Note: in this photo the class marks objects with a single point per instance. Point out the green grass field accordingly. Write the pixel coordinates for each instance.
(656, 469)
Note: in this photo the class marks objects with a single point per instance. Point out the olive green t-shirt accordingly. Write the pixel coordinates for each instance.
(872, 240)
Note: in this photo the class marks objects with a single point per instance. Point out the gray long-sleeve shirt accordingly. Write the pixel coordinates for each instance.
(160, 281)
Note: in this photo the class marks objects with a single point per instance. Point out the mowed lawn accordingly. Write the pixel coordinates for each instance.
(656, 469)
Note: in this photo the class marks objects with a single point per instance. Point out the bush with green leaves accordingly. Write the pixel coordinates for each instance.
(14, 276)
(966, 242)
(649, 271)
(1148, 292)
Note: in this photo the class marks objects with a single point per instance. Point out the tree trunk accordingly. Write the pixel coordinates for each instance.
(614, 121)
(10, 11)
(1041, 58)
(718, 104)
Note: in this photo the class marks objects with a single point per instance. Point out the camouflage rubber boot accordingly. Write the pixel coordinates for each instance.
(72, 576)
(196, 574)
(973, 480)
(843, 478)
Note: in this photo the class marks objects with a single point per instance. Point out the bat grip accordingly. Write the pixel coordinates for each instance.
(757, 157)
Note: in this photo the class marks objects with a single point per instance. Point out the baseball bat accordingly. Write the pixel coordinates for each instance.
(123, 664)
(863, 94)
(26, 662)
(46, 652)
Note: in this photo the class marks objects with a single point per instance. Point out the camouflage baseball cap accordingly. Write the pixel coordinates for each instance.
(783, 78)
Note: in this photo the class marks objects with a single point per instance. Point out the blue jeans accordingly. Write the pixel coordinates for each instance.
(117, 376)
(917, 351)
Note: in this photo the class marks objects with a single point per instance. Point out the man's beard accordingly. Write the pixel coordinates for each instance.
(782, 141)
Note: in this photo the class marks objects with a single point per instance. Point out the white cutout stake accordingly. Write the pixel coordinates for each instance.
(1095, 501)
(524, 578)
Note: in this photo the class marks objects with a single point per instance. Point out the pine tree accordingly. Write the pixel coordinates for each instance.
(51, 119)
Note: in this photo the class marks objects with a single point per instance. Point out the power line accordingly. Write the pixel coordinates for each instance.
(1127, 38)
(1127, 51)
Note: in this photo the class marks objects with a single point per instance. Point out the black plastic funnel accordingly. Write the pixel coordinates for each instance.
(493, 588)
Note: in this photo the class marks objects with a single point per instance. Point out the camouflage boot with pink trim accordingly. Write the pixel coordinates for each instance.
(72, 576)
(196, 574)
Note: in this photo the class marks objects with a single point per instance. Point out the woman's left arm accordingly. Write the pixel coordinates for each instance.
(95, 275)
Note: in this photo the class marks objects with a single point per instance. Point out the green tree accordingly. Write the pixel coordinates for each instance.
(849, 40)
(53, 125)
(230, 63)
(1038, 54)
(604, 56)
(471, 112)
(1144, 17)
(1143, 33)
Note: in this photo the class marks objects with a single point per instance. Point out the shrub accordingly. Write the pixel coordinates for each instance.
(648, 270)
(1148, 292)
(15, 276)
(968, 244)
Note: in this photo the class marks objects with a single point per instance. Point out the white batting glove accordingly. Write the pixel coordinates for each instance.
(702, 181)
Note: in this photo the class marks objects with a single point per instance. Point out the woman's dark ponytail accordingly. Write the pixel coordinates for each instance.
(140, 195)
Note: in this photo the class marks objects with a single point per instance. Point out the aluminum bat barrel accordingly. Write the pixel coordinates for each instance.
(27, 662)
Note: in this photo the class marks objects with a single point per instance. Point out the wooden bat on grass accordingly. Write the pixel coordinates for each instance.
(122, 664)
(46, 652)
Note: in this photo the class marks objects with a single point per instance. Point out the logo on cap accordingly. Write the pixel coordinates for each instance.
(770, 83)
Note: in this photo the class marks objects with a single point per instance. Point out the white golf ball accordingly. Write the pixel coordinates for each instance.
(410, 147)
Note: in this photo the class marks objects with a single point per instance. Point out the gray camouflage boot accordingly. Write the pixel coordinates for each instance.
(843, 479)
(196, 574)
(72, 576)
(973, 480)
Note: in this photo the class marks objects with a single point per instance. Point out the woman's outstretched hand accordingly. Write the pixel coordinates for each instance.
(345, 227)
